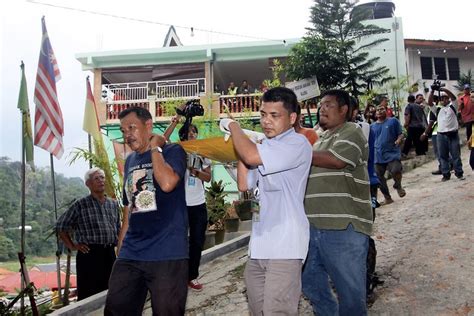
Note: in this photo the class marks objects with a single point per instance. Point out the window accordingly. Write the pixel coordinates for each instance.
(440, 66)
(453, 67)
(426, 68)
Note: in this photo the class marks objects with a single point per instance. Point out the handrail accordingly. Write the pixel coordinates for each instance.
(239, 103)
(142, 91)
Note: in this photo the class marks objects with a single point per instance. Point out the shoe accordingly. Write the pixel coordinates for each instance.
(401, 192)
(461, 177)
(195, 285)
(445, 178)
(386, 202)
(436, 173)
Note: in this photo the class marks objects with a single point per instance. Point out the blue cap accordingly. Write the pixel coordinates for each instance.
(467, 86)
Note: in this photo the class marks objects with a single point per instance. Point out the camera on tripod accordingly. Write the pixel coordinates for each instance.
(191, 109)
(437, 85)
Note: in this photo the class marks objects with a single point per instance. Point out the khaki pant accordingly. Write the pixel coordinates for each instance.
(273, 286)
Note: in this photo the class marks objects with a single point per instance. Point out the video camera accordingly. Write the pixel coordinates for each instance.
(437, 85)
(192, 108)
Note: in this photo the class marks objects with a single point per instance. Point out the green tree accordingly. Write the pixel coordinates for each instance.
(39, 207)
(7, 248)
(467, 77)
(330, 50)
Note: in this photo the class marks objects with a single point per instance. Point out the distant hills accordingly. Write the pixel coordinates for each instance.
(39, 207)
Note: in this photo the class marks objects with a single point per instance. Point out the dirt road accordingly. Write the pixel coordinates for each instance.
(425, 246)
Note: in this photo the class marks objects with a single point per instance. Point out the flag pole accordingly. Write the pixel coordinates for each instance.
(90, 149)
(58, 251)
(89, 141)
(23, 208)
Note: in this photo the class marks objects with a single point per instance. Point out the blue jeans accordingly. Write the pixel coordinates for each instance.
(448, 144)
(339, 256)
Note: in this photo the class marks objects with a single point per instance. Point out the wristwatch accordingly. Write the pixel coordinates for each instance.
(157, 149)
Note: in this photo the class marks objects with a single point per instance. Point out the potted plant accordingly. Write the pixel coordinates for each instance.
(232, 220)
(243, 207)
(216, 209)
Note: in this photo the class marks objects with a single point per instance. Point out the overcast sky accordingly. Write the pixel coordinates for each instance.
(73, 31)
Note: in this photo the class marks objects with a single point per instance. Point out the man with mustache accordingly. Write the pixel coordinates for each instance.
(153, 241)
(339, 210)
(277, 168)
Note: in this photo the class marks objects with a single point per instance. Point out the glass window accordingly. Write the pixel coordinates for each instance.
(453, 68)
(426, 68)
(440, 68)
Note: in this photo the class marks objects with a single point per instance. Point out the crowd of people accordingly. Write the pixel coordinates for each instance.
(316, 203)
(244, 88)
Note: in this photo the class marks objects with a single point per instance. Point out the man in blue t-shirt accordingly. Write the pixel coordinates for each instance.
(388, 136)
(153, 242)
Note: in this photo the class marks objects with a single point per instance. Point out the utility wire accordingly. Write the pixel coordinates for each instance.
(149, 21)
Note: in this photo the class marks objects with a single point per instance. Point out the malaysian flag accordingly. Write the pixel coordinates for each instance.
(48, 117)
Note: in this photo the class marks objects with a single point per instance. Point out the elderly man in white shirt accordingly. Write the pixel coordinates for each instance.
(277, 168)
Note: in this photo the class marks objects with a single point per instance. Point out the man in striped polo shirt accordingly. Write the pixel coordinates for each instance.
(338, 207)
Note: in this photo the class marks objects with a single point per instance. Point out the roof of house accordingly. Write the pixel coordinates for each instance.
(422, 43)
(186, 54)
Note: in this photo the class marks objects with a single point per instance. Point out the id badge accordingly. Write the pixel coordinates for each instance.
(255, 209)
(191, 181)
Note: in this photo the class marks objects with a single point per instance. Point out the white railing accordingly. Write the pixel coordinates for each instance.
(161, 90)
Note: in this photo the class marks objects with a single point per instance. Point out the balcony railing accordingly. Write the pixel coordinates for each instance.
(119, 96)
(151, 95)
(239, 103)
(142, 91)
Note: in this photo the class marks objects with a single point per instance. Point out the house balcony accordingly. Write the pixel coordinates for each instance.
(153, 96)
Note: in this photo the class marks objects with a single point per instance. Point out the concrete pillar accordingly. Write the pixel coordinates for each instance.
(97, 90)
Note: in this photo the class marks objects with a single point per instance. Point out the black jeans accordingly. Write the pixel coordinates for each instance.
(468, 129)
(93, 270)
(413, 138)
(131, 280)
(197, 216)
(471, 159)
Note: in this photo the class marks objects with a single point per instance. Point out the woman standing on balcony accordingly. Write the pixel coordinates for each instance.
(198, 172)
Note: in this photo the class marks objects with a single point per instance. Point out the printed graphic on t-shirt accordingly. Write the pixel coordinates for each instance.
(141, 191)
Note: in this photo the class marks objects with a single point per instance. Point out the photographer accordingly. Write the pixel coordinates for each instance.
(198, 172)
(448, 136)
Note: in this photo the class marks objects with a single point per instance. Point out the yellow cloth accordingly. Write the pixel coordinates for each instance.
(214, 148)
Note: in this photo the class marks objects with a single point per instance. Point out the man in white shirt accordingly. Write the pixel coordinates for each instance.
(448, 136)
(278, 169)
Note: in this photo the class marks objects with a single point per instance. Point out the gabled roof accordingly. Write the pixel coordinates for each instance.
(186, 54)
(172, 38)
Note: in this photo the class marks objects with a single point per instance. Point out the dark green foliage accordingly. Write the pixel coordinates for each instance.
(216, 204)
(467, 77)
(39, 208)
(329, 51)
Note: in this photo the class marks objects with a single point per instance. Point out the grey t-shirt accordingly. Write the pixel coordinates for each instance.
(417, 115)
